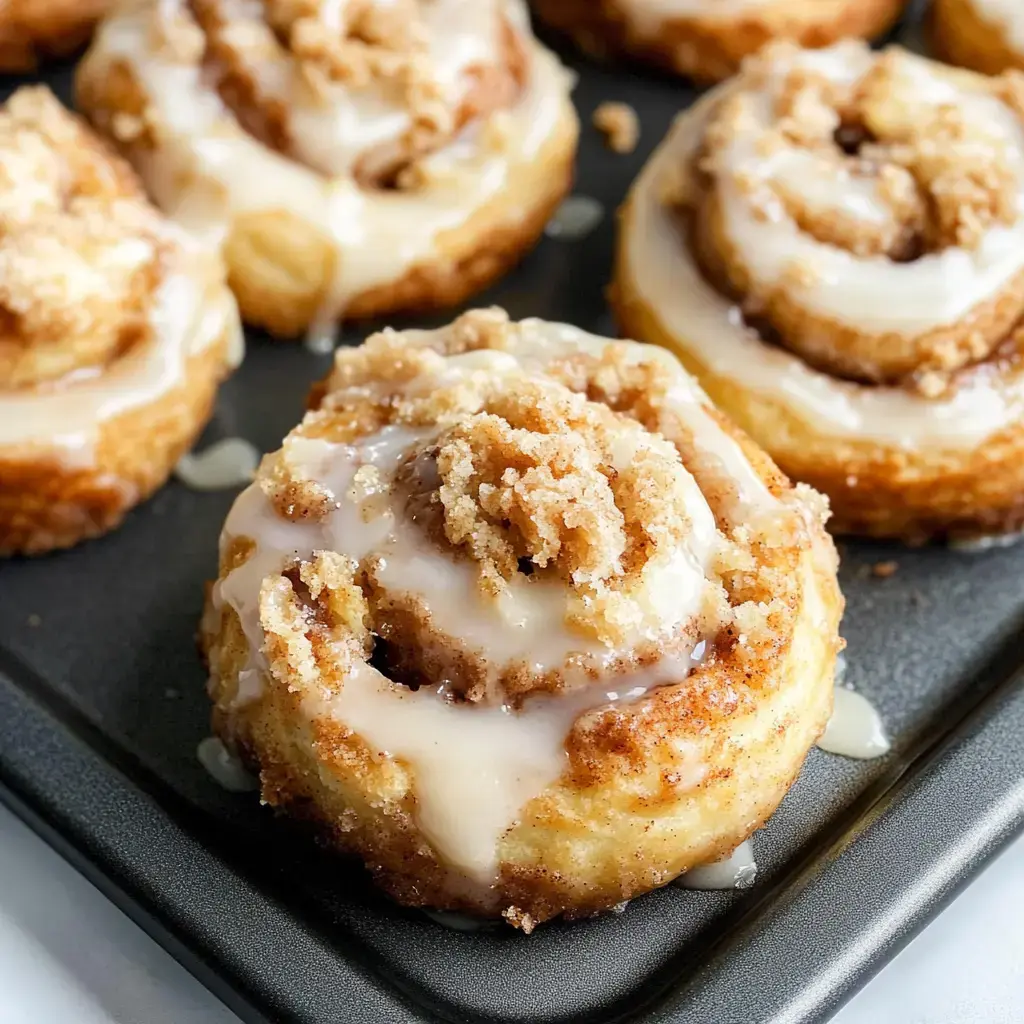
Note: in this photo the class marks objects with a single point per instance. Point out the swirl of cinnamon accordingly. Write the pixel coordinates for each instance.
(985, 35)
(527, 625)
(353, 158)
(114, 332)
(834, 243)
(708, 39)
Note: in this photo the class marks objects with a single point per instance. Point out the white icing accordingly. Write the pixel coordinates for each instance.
(321, 338)
(575, 218)
(228, 463)
(662, 271)
(66, 418)
(991, 542)
(208, 171)
(687, 402)
(1008, 15)
(648, 16)
(855, 728)
(224, 767)
(476, 767)
(528, 625)
(331, 131)
(737, 871)
(872, 293)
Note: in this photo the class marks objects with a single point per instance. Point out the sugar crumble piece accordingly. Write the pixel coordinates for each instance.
(619, 124)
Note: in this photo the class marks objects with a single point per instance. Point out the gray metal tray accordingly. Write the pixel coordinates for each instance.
(102, 705)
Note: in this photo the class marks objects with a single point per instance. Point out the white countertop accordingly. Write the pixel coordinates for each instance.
(69, 956)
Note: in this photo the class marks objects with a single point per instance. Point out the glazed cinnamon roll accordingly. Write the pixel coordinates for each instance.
(518, 618)
(986, 35)
(834, 245)
(115, 330)
(707, 39)
(352, 158)
(35, 29)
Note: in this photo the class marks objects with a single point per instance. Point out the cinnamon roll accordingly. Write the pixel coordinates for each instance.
(35, 29)
(834, 244)
(519, 619)
(115, 330)
(353, 159)
(986, 35)
(707, 39)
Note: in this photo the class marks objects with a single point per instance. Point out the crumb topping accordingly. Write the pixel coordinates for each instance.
(619, 124)
(942, 175)
(887, 159)
(80, 248)
(572, 476)
(543, 476)
(275, 59)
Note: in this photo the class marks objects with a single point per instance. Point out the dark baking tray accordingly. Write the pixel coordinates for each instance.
(102, 705)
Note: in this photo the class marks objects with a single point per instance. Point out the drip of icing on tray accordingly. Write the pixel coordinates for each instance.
(226, 464)
(575, 218)
(224, 767)
(737, 871)
(322, 337)
(978, 545)
(855, 728)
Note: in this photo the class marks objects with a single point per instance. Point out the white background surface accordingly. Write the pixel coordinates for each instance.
(68, 956)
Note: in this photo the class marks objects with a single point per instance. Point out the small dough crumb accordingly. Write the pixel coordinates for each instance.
(619, 125)
(883, 570)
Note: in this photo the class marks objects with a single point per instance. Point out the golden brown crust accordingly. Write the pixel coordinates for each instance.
(961, 35)
(710, 49)
(84, 260)
(745, 717)
(286, 264)
(31, 30)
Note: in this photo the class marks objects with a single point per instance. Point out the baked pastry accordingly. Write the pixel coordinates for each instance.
(986, 35)
(34, 29)
(834, 245)
(707, 39)
(115, 330)
(521, 620)
(355, 160)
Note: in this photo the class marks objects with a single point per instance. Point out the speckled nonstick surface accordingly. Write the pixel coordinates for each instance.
(102, 705)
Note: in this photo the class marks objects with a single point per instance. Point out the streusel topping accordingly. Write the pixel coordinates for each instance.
(402, 77)
(824, 175)
(79, 245)
(562, 498)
